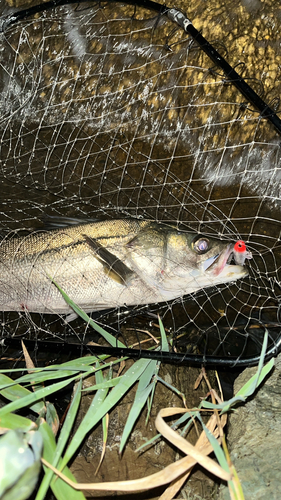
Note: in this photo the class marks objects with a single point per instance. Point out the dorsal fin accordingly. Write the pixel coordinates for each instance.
(56, 222)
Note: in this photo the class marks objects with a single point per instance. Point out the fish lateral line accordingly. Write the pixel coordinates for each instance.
(48, 249)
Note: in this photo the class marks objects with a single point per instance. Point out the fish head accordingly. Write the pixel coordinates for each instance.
(215, 259)
(179, 262)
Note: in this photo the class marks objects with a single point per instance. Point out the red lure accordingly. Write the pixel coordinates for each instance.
(241, 253)
(240, 246)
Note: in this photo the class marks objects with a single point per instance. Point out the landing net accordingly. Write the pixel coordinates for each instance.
(112, 110)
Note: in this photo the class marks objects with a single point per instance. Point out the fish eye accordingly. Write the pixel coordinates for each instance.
(200, 245)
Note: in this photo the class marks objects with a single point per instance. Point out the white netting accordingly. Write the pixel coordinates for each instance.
(107, 110)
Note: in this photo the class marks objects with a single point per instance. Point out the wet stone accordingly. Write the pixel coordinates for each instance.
(255, 439)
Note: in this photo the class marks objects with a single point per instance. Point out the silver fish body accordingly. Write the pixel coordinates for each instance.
(107, 264)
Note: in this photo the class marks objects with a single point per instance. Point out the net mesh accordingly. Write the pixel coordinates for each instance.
(111, 110)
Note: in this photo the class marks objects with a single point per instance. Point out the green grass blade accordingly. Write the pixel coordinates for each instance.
(14, 421)
(15, 393)
(250, 387)
(103, 381)
(29, 398)
(63, 438)
(218, 451)
(91, 370)
(149, 442)
(84, 361)
(150, 370)
(185, 417)
(247, 390)
(151, 396)
(88, 421)
(107, 336)
(142, 394)
(139, 402)
(61, 490)
(172, 388)
(216, 447)
(164, 340)
(38, 378)
(107, 378)
(51, 417)
(70, 419)
(104, 385)
(97, 411)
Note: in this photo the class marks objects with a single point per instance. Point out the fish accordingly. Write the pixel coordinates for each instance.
(113, 263)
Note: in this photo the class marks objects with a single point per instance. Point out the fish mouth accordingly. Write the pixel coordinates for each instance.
(216, 264)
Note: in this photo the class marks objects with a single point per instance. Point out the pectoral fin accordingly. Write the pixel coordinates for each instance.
(114, 267)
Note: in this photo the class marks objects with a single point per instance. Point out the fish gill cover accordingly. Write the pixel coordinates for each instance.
(123, 110)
